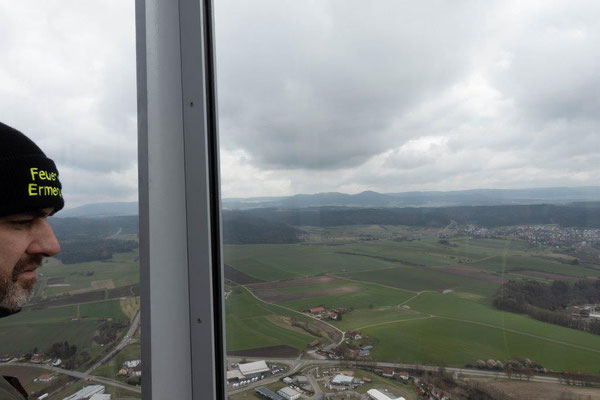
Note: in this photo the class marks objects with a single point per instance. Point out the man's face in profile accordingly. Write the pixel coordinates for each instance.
(25, 239)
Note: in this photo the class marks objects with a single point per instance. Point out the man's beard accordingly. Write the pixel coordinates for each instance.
(15, 292)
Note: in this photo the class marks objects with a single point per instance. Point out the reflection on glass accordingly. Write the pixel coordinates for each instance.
(411, 201)
(70, 86)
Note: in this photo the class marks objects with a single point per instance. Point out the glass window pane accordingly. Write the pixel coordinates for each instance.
(67, 81)
(414, 183)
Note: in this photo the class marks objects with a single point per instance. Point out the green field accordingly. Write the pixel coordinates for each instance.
(420, 279)
(454, 328)
(21, 332)
(363, 295)
(438, 341)
(248, 324)
(121, 270)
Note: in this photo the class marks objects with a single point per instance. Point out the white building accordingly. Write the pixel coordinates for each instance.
(100, 397)
(375, 394)
(86, 392)
(132, 363)
(235, 375)
(254, 369)
(342, 380)
(288, 393)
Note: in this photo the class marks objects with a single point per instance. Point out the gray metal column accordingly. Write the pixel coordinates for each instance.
(182, 338)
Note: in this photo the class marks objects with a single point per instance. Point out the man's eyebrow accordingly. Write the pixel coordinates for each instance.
(31, 214)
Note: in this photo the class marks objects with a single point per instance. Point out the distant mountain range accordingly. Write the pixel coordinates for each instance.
(98, 210)
(476, 197)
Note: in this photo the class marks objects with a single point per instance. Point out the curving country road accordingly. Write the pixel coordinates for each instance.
(127, 339)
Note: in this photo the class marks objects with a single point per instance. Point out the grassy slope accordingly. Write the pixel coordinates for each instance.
(444, 342)
(248, 326)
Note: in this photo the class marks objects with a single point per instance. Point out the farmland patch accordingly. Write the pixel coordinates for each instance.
(103, 284)
(547, 275)
(273, 296)
(238, 276)
(470, 272)
(279, 351)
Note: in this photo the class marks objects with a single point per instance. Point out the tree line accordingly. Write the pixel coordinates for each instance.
(549, 302)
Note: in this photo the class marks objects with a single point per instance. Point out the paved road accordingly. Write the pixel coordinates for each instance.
(127, 339)
(316, 388)
(76, 374)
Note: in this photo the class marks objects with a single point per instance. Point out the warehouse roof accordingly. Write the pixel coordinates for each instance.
(263, 391)
(342, 380)
(234, 373)
(256, 367)
(288, 391)
(377, 395)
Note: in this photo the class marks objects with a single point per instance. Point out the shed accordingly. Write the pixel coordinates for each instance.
(375, 394)
(288, 393)
(250, 370)
(342, 380)
(267, 394)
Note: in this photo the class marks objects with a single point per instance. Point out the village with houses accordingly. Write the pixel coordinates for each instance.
(330, 382)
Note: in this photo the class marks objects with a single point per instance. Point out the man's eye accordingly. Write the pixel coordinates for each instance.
(23, 222)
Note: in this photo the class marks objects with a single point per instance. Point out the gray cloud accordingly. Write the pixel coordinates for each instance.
(397, 96)
(319, 86)
(324, 95)
(68, 82)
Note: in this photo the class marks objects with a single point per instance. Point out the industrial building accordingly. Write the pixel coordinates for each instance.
(257, 369)
(288, 393)
(375, 394)
(234, 376)
(267, 394)
(342, 380)
(86, 393)
(100, 397)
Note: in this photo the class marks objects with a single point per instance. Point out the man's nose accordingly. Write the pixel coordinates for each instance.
(44, 241)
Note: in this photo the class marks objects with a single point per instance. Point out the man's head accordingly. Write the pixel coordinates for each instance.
(31, 192)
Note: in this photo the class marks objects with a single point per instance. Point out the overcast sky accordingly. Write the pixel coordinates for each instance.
(325, 95)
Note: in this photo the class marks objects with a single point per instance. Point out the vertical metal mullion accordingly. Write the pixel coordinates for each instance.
(180, 254)
(181, 279)
(199, 115)
(142, 122)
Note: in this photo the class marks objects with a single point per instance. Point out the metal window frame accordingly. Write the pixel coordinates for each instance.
(182, 307)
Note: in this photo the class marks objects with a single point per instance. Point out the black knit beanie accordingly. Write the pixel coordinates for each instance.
(29, 180)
